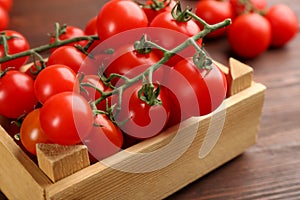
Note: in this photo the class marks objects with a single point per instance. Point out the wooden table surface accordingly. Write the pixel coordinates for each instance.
(268, 170)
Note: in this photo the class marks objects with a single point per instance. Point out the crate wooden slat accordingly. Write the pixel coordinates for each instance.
(242, 113)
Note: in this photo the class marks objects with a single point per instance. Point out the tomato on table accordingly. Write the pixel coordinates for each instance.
(4, 19)
(249, 35)
(66, 118)
(284, 29)
(6, 4)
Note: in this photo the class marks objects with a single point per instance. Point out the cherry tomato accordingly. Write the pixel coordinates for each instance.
(91, 29)
(69, 56)
(71, 32)
(213, 12)
(240, 8)
(137, 118)
(31, 132)
(154, 7)
(110, 21)
(166, 20)
(90, 93)
(284, 28)
(184, 30)
(6, 4)
(105, 139)
(66, 118)
(52, 80)
(249, 35)
(16, 94)
(194, 91)
(16, 44)
(4, 19)
(128, 61)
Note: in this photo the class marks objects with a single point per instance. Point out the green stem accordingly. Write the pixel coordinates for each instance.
(167, 55)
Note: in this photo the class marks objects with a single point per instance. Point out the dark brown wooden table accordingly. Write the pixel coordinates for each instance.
(268, 170)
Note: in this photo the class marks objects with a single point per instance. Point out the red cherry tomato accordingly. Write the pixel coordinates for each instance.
(66, 118)
(137, 118)
(16, 44)
(105, 139)
(284, 28)
(118, 16)
(52, 80)
(128, 61)
(169, 39)
(69, 56)
(194, 91)
(16, 94)
(166, 20)
(249, 35)
(6, 4)
(4, 19)
(31, 132)
(213, 12)
(240, 8)
(91, 29)
(71, 32)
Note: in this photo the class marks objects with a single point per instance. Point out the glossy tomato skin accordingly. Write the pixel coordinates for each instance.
(52, 80)
(184, 30)
(110, 21)
(4, 19)
(284, 29)
(66, 118)
(16, 94)
(128, 61)
(31, 132)
(105, 139)
(67, 55)
(6, 4)
(71, 32)
(213, 12)
(137, 118)
(194, 91)
(16, 44)
(91, 29)
(249, 35)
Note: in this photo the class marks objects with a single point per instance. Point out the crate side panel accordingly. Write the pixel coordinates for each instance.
(20, 178)
(239, 132)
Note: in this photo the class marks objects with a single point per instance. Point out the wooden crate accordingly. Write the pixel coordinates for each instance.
(203, 144)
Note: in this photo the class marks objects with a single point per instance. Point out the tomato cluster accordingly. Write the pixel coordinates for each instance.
(84, 93)
(5, 6)
(255, 28)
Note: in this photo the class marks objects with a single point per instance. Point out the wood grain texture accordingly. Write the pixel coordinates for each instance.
(269, 169)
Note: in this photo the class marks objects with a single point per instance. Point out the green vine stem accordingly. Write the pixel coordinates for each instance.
(57, 43)
(167, 55)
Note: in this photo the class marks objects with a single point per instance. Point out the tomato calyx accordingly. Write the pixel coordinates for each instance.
(155, 5)
(142, 46)
(149, 94)
(249, 7)
(181, 15)
(202, 61)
